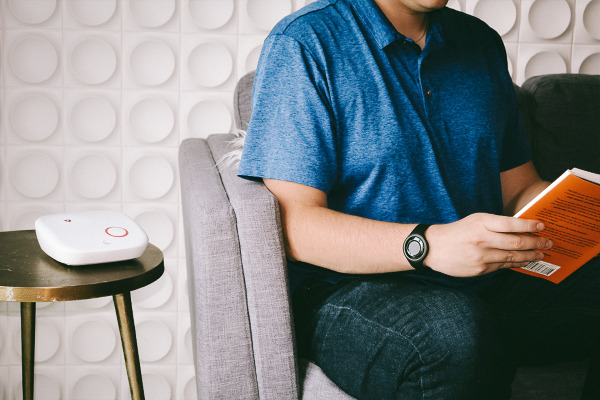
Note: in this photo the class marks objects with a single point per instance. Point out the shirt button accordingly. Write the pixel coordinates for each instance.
(428, 93)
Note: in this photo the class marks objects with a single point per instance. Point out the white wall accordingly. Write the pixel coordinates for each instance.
(96, 95)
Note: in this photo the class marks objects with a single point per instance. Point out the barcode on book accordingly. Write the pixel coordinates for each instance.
(542, 268)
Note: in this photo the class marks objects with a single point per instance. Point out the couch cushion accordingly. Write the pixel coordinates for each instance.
(242, 100)
(563, 122)
(316, 385)
(557, 381)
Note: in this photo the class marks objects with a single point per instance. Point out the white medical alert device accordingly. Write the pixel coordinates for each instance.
(91, 237)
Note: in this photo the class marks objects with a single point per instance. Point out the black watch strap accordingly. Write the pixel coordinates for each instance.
(416, 247)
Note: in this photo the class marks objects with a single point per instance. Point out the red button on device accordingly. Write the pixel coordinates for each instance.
(116, 231)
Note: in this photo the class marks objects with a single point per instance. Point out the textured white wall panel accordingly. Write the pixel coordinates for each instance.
(95, 97)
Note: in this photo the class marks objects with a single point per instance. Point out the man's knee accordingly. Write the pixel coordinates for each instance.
(458, 350)
(412, 342)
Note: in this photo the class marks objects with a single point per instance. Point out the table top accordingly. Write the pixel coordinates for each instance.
(27, 274)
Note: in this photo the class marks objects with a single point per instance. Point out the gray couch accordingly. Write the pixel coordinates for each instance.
(239, 302)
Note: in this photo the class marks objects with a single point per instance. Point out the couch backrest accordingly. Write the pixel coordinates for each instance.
(242, 101)
(562, 116)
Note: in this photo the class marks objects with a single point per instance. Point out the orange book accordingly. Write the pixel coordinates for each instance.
(570, 211)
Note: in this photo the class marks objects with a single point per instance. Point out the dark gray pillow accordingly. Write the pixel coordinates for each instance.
(563, 122)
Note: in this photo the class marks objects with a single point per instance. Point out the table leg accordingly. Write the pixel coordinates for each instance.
(27, 348)
(129, 341)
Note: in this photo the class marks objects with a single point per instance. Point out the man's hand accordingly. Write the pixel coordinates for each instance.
(482, 243)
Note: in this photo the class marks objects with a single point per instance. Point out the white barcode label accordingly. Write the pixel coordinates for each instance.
(541, 267)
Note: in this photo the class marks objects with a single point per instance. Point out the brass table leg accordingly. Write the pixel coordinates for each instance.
(27, 348)
(129, 341)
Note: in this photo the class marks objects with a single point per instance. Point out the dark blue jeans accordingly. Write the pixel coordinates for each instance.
(408, 336)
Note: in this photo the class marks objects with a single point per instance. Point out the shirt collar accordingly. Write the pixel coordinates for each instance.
(375, 22)
(382, 30)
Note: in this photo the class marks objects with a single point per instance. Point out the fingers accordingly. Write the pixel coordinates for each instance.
(511, 244)
(512, 259)
(512, 241)
(498, 223)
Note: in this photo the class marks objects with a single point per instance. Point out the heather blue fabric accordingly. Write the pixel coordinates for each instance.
(344, 103)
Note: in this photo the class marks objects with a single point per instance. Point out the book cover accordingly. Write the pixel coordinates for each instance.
(570, 211)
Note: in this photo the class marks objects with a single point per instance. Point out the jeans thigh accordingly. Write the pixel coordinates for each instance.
(395, 338)
(546, 322)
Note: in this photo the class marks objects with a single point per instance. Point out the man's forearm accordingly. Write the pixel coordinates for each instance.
(342, 242)
(475, 245)
(525, 197)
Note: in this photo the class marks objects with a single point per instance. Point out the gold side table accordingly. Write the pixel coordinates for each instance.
(28, 275)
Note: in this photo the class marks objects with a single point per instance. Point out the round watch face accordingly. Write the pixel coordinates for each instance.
(415, 247)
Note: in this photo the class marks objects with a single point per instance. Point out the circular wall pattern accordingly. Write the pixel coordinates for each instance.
(188, 340)
(93, 176)
(455, 4)
(47, 341)
(190, 391)
(33, 59)
(94, 386)
(43, 384)
(151, 177)
(158, 226)
(264, 14)
(92, 12)
(549, 18)
(27, 220)
(500, 15)
(93, 119)
(156, 387)
(591, 65)
(152, 120)
(154, 340)
(591, 18)
(252, 58)
(209, 116)
(152, 14)
(211, 14)
(152, 63)
(32, 11)
(93, 341)
(545, 62)
(97, 303)
(34, 117)
(35, 175)
(93, 61)
(210, 64)
(155, 295)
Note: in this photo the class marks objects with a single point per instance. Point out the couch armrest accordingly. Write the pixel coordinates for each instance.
(264, 264)
(222, 341)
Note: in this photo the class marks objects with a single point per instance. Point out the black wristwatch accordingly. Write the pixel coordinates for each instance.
(416, 247)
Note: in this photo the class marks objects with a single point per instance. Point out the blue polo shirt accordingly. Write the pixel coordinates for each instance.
(344, 103)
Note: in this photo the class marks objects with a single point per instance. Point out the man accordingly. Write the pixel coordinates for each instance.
(384, 125)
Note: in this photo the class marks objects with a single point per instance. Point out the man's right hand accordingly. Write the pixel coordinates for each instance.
(482, 243)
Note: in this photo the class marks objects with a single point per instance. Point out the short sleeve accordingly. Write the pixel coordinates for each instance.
(515, 147)
(291, 134)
